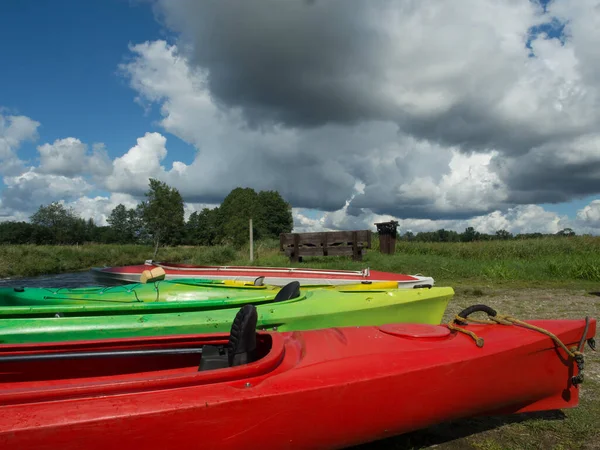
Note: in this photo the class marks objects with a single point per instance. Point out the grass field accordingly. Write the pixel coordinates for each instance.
(543, 278)
(539, 262)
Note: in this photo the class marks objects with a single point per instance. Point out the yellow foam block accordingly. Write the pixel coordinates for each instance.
(152, 275)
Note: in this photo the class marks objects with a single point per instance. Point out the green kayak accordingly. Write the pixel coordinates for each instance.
(47, 315)
(181, 290)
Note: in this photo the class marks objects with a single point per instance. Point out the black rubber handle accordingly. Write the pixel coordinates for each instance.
(473, 309)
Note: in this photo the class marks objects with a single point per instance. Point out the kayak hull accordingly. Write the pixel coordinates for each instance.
(314, 309)
(277, 276)
(314, 389)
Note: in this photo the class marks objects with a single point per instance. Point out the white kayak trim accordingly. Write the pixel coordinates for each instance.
(272, 279)
(359, 273)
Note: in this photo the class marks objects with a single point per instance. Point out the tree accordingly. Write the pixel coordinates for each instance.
(503, 235)
(17, 232)
(566, 232)
(408, 236)
(163, 213)
(141, 233)
(202, 227)
(270, 214)
(443, 235)
(469, 235)
(234, 213)
(62, 222)
(274, 215)
(125, 224)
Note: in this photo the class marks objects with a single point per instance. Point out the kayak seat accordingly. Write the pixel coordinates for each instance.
(289, 291)
(241, 348)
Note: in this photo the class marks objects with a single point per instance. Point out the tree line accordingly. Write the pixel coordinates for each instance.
(159, 220)
(470, 235)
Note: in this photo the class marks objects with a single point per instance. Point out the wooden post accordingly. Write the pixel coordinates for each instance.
(387, 236)
(355, 254)
(251, 242)
(295, 256)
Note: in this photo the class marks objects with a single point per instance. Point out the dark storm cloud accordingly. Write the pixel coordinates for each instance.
(413, 208)
(304, 63)
(457, 77)
(307, 64)
(550, 180)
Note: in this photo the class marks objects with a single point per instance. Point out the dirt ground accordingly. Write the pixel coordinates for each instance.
(575, 429)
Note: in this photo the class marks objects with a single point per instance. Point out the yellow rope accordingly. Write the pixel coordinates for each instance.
(508, 320)
(477, 339)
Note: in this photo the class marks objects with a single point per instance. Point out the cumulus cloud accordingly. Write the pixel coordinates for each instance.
(32, 189)
(14, 130)
(553, 172)
(311, 168)
(497, 78)
(130, 172)
(70, 157)
(520, 219)
(66, 170)
(436, 115)
(589, 217)
(229, 153)
(63, 157)
(458, 73)
(468, 187)
(99, 207)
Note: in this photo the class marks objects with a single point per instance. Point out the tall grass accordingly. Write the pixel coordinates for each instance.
(570, 259)
(31, 260)
(534, 260)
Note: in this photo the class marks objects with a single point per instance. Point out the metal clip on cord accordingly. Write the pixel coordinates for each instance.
(592, 343)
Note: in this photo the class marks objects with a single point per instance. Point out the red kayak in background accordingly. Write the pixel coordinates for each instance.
(277, 276)
(318, 389)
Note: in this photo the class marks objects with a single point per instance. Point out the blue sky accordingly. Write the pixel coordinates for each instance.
(63, 70)
(426, 167)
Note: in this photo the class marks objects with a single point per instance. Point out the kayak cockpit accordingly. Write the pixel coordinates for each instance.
(33, 373)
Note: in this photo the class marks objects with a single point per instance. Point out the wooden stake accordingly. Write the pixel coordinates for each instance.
(251, 242)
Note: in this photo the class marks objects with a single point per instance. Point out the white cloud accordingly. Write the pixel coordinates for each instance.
(520, 219)
(98, 162)
(63, 157)
(132, 170)
(32, 189)
(190, 208)
(456, 73)
(99, 208)
(14, 130)
(440, 80)
(325, 163)
(433, 113)
(70, 157)
(589, 217)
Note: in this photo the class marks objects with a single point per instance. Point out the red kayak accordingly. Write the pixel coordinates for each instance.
(278, 276)
(318, 389)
